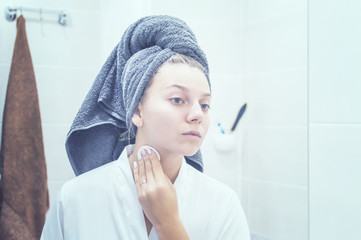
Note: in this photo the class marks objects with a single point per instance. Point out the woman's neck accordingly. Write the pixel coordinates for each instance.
(171, 163)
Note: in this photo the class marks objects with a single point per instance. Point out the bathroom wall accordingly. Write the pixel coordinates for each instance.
(274, 130)
(335, 119)
(258, 53)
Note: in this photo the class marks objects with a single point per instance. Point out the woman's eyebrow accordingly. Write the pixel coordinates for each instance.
(186, 89)
(179, 87)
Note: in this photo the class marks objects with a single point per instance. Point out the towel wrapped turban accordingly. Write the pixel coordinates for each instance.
(94, 137)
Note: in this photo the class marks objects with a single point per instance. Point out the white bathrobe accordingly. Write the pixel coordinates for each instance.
(103, 204)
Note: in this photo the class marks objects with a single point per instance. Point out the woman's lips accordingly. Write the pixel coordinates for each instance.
(193, 133)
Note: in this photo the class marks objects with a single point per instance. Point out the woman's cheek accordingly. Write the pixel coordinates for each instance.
(161, 123)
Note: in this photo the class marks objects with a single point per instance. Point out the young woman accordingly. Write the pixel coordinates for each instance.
(150, 191)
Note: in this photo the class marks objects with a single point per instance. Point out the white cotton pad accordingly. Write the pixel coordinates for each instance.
(145, 147)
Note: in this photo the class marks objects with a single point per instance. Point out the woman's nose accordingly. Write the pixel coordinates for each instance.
(195, 113)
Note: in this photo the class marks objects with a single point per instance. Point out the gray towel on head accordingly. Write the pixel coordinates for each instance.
(94, 137)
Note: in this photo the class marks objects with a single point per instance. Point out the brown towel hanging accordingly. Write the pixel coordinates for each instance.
(23, 184)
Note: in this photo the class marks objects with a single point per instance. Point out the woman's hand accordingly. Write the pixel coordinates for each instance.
(157, 197)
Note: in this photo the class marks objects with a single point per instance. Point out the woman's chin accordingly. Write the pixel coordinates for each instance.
(191, 152)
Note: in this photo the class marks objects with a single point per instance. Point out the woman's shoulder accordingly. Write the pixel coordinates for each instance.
(219, 210)
(208, 185)
(95, 179)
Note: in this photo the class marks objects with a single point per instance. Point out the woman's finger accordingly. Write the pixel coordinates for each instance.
(148, 166)
(157, 167)
(142, 178)
(136, 175)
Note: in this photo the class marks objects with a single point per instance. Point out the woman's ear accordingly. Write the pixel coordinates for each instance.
(137, 117)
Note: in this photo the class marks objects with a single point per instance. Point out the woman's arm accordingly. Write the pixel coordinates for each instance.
(158, 198)
(174, 230)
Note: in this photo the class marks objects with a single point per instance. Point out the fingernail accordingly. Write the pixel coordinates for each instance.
(135, 165)
(143, 152)
(149, 151)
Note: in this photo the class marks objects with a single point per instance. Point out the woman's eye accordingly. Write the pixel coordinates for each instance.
(205, 107)
(177, 100)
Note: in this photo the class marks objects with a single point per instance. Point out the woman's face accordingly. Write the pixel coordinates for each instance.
(174, 111)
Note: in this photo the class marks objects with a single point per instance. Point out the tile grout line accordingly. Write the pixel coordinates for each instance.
(308, 118)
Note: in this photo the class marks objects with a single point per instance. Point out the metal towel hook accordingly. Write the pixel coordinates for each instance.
(63, 18)
(11, 13)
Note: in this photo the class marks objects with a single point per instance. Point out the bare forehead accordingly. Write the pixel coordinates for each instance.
(180, 75)
(188, 90)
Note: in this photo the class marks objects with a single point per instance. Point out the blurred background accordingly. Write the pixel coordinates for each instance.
(296, 158)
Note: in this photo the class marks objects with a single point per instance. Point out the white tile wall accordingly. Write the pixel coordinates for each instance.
(223, 49)
(335, 56)
(277, 98)
(201, 11)
(276, 211)
(226, 99)
(6, 52)
(4, 76)
(116, 16)
(58, 166)
(62, 86)
(263, 10)
(73, 46)
(335, 181)
(276, 155)
(276, 43)
(274, 130)
(335, 120)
